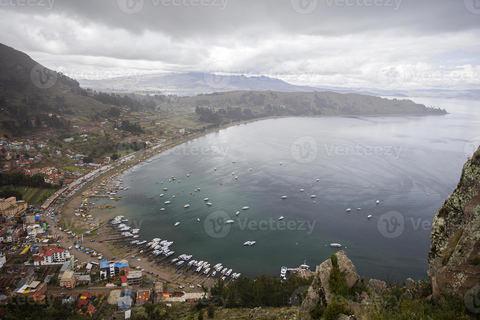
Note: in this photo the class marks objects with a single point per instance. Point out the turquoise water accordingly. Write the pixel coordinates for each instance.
(410, 164)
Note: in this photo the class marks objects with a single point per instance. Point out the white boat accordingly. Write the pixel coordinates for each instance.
(162, 209)
(236, 177)
(161, 195)
(358, 209)
(198, 219)
(234, 275)
(179, 263)
(245, 208)
(369, 216)
(249, 243)
(313, 196)
(214, 273)
(284, 197)
(224, 270)
(207, 271)
(237, 213)
(281, 218)
(348, 210)
(209, 203)
(186, 206)
(228, 272)
(238, 275)
(198, 269)
(136, 236)
(177, 223)
(301, 190)
(215, 169)
(135, 231)
(206, 199)
(251, 169)
(335, 245)
(174, 260)
(168, 202)
(229, 221)
(377, 202)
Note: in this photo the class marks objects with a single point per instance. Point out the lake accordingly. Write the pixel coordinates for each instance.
(409, 163)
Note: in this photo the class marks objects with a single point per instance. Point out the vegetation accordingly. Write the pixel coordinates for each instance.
(20, 179)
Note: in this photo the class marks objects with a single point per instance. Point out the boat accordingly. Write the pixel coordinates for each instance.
(249, 243)
(206, 199)
(168, 202)
(198, 269)
(284, 197)
(358, 209)
(165, 189)
(209, 203)
(369, 216)
(179, 263)
(162, 209)
(135, 230)
(223, 278)
(251, 169)
(245, 208)
(229, 272)
(206, 271)
(313, 196)
(198, 219)
(238, 275)
(236, 177)
(301, 190)
(174, 260)
(177, 223)
(229, 221)
(348, 210)
(161, 195)
(237, 213)
(186, 206)
(377, 202)
(335, 245)
(281, 218)
(214, 273)
(224, 270)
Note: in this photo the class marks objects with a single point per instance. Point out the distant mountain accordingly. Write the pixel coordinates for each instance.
(192, 83)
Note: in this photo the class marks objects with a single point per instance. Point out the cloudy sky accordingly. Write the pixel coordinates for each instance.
(402, 44)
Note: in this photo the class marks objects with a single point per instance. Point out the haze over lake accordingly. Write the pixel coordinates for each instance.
(411, 164)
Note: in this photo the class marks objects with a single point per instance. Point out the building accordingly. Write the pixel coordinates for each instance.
(134, 278)
(11, 206)
(158, 291)
(125, 302)
(83, 279)
(68, 280)
(143, 296)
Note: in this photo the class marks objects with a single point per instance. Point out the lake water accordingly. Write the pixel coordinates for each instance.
(410, 164)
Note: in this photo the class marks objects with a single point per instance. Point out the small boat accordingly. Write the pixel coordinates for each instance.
(245, 208)
(369, 216)
(251, 169)
(168, 202)
(229, 221)
(281, 218)
(377, 202)
(215, 169)
(177, 223)
(318, 180)
(209, 203)
(214, 273)
(313, 196)
(335, 245)
(165, 189)
(186, 206)
(188, 175)
(198, 219)
(206, 199)
(358, 209)
(348, 210)
(249, 243)
(301, 190)
(284, 197)
(161, 195)
(237, 213)
(162, 209)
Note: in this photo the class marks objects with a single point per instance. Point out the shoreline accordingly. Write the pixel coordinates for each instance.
(109, 248)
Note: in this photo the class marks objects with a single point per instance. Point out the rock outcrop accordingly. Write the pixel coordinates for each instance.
(319, 291)
(454, 257)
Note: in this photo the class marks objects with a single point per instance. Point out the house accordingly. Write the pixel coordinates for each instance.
(143, 296)
(68, 279)
(125, 302)
(83, 279)
(158, 291)
(134, 278)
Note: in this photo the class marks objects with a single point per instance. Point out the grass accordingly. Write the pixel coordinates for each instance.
(33, 196)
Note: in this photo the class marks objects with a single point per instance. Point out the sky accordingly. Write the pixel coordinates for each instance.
(383, 44)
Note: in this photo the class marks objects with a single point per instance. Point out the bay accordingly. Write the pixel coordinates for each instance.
(409, 163)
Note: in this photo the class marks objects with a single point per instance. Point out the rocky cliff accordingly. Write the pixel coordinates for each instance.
(454, 256)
